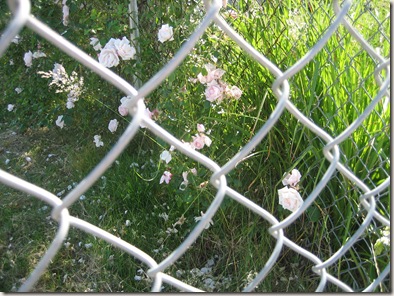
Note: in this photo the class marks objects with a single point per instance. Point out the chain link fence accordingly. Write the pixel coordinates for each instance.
(349, 195)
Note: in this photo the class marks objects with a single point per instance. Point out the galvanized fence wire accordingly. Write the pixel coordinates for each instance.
(281, 89)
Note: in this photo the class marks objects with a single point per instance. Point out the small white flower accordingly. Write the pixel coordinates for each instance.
(113, 125)
(200, 217)
(66, 14)
(200, 128)
(185, 181)
(70, 104)
(39, 54)
(10, 107)
(164, 216)
(28, 58)
(95, 43)
(88, 246)
(166, 156)
(165, 33)
(207, 140)
(97, 141)
(18, 90)
(166, 177)
(16, 39)
(128, 222)
(60, 121)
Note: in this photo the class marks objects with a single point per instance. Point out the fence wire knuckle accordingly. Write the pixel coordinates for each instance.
(368, 201)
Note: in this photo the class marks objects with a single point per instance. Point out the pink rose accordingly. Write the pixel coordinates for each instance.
(236, 92)
(198, 142)
(123, 110)
(213, 93)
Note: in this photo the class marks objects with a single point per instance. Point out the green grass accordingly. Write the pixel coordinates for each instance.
(332, 90)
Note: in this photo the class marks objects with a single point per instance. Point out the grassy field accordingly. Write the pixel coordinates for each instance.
(129, 202)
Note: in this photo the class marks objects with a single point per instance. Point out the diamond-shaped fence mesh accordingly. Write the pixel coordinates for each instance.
(343, 116)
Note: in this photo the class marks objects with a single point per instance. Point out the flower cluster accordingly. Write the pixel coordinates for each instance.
(216, 89)
(113, 51)
(73, 85)
(65, 83)
(198, 142)
(383, 241)
(289, 197)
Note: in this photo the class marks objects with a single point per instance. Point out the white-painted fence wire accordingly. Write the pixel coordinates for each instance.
(281, 88)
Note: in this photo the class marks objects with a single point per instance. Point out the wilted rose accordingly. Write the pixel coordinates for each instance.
(292, 179)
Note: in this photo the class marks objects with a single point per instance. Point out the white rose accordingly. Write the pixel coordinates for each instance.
(110, 43)
(113, 125)
(108, 57)
(165, 33)
(290, 199)
(28, 58)
(124, 49)
(292, 179)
